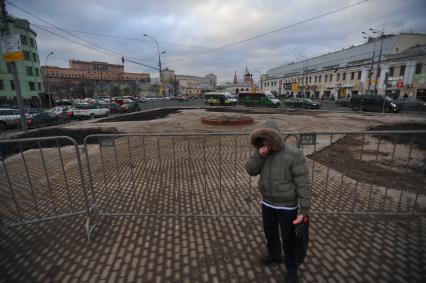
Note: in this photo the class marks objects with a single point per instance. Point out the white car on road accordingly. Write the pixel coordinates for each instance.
(91, 111)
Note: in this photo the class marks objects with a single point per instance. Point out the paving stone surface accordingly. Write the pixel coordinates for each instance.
(160, 249)
(198, 215)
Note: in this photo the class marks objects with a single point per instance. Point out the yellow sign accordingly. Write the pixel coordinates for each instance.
(295, 87)
(253, 88)
(15, 56)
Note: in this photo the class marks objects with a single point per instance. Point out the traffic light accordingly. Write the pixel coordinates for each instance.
(122, 60)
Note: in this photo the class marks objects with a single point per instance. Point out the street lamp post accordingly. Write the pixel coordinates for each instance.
(370, 73)
(47, 83)
(305, 72)
(381, 33)
(159, 62)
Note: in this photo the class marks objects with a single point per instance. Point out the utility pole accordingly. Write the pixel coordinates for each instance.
(16, 84)
(382, 33)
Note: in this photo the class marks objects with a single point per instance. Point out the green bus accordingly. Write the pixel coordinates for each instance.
(220, 99)
(264, 98)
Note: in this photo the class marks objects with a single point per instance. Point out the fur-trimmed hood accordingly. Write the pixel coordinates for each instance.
(269, 130)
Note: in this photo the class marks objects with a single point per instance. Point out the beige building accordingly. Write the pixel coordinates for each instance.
(99, 77)
(190, 85)
(354, 71)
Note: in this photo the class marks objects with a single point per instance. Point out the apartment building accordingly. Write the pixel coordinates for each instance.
(30, 79)
(98, 77)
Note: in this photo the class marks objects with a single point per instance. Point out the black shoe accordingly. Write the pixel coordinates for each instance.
(291, 277)
(271, 259)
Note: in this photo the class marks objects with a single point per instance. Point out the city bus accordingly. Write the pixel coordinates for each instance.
(264, 98)
(220, 99)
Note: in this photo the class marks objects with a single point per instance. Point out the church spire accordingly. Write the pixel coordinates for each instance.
(235, 77)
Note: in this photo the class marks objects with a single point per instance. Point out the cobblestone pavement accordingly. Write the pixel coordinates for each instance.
(195, 176)
(342, 249)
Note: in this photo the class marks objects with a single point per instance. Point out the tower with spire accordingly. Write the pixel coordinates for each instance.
(235, 77)
(248, 78)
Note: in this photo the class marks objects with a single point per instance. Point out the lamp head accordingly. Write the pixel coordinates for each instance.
(145, 34)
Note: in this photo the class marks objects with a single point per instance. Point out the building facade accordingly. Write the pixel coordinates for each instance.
(85, 79)
(29, 73)
(187, 85)
(356, 70)
(247, 84)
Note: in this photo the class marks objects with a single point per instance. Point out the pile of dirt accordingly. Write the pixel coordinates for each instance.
(343, 156)
(144, 116)
(418, 140)
(78, 135)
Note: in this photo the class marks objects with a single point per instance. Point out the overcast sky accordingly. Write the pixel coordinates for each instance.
(185, 28)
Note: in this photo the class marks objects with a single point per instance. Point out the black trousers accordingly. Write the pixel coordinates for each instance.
(275, 220)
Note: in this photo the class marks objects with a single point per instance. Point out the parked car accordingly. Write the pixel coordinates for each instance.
(61, 110)
(129, 107)
(113, 107)
(91, 111)
(296, 102)
(410, 104)
(373, 102)
(9, 118)
(45, 119)
(344, 102)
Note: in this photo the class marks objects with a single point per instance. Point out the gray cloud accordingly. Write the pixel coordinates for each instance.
(200, 25)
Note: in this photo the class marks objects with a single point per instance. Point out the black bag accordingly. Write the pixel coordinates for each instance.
(301, 240)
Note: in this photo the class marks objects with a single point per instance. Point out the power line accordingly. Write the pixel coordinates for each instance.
(270, 32)
(101, 49)
(250, 53)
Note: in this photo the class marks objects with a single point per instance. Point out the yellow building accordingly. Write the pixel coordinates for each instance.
(354, 71)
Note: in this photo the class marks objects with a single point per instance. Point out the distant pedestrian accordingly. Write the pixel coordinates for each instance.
(285, 190)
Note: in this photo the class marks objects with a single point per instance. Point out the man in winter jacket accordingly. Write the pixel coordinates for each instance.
(286, 194)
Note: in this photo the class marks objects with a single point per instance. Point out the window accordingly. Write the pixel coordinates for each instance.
(391, 71)
(29, 71)
(37, 72)
(331, 77)
(39, 86)
(23, 40)
(338, 76)
(319, 78)
(32, 42)
(325, 78)
(34, 57)
(27, 55)
(402, 71)
(315, 79)
(352, 76)
(418, 68)
(344, 76)
(32, 86)
(9, 67)
(359, 75)
(12, 85)
(1, 85)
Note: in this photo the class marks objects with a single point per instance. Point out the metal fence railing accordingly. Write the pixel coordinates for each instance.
(41, 179)
(203, 175)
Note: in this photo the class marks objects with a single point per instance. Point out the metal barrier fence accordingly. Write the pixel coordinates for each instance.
(204, 174)
(41, 179)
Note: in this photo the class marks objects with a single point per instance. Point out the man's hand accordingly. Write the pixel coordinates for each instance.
(298, 219)
(264, 150)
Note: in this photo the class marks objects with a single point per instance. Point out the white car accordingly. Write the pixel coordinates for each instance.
(91, 111)
(9, 118)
